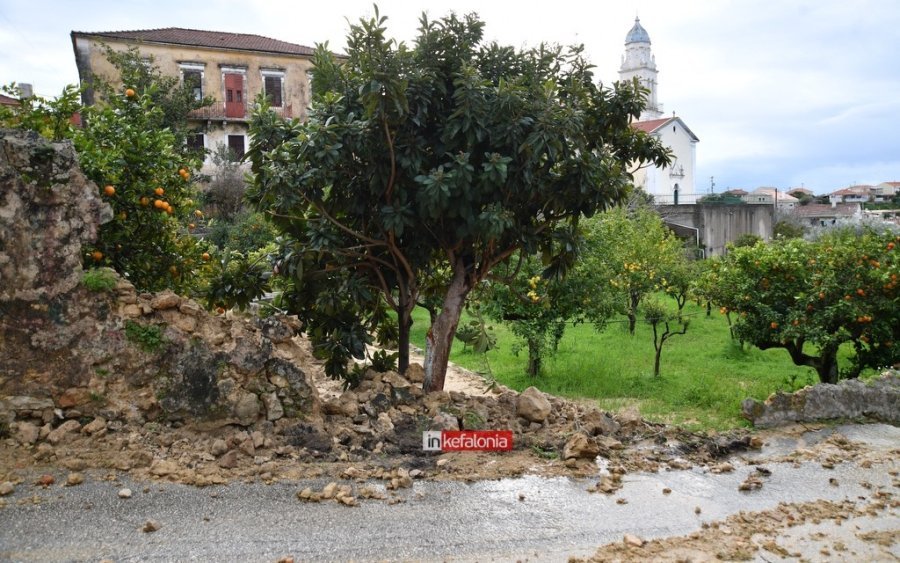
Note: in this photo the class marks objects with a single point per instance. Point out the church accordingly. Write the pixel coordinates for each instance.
(673, 184)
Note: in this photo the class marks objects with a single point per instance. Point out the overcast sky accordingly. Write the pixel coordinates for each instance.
(780, 92)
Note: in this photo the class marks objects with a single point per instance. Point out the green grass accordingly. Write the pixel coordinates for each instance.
(704, 375)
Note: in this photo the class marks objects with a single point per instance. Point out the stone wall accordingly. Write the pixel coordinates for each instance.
(68, 350)
(851, 399)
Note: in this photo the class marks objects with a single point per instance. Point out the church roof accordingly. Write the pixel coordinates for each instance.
(651, 126)
(637, 34)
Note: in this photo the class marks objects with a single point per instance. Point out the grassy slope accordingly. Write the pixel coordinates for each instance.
(704, 375)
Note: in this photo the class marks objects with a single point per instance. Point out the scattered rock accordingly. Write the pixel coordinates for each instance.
(163, 467)
(532, 405)
(579, 446)
(150, 526)
(56, 436)
(74, 479)
(229, 460)
(329, 491)
(722, 468)
(218, 448)
(27, 433)
(125, 493)
(94, 426)
(632, 540)
(45, 480)
(6, 488)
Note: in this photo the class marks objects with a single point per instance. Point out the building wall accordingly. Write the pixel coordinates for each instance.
(91, 60)
(659, 182)
(717, 225)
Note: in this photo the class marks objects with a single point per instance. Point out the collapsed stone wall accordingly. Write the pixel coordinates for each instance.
(69, 351)
(851, 399)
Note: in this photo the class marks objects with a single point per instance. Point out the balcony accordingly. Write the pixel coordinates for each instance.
(220, 111)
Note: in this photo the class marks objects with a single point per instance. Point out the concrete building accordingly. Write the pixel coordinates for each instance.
(669, 185)
(231, 68)
(854, 194)
(826, 215)
(885, 191)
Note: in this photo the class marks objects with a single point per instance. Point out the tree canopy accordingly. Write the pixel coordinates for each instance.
(448, 156)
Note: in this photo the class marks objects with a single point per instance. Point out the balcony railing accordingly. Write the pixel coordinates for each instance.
(235, 112)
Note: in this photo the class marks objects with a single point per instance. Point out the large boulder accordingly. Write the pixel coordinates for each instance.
(532, 405)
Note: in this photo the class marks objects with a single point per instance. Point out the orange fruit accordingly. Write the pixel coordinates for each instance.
(184, 173)
(97, 255)
(122, 216)
(159, 204)
(220, 310)
(860, 292)
(191, 226)
(198, 213)
(109, 190)
(145, 201)
(129, 93)
(205, 256)
(773, 325)
(159, 191)
(890, 246)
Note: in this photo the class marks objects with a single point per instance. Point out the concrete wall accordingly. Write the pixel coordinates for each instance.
(717, 225)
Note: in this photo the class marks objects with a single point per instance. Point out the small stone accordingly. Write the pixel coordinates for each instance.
(722, 468)
(285, 559)
(150, 526)
(632, 540)
(697, 510)
(45, 480)
(621, 501)
(94, 426)
(6, 488)
(229, 460)
(74, 479)
(580, 446)
(57, 435)
(442, 462)
(521, 497)
(329, 490)
(347, 500)
(163, 467)
(165, 300)
(125, 493)
(218, 447)
(27, 433)
(305, 494)
(667, 491)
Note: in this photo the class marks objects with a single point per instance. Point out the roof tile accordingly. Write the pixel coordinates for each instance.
(201, 38)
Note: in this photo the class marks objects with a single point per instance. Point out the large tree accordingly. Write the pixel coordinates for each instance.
(450, 155)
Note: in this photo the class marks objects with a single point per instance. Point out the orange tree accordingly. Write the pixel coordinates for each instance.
(810, 297)
(144, 175)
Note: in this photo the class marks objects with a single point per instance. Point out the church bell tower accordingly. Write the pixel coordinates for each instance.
(638, 62)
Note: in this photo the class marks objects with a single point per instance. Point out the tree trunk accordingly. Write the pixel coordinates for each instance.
(657, 346)
(827, 366)
(534, 357)
(439, 339)
(404, 326)
(633, 302)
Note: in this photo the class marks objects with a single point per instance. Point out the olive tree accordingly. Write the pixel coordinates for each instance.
(449, 155)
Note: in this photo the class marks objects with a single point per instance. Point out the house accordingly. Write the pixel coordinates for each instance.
(771, 196)
(854, 194)
(824, 214)
(885, 191)
(9, 101)
(673, 184)
(231, 68)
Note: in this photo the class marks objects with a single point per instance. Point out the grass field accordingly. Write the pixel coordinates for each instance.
(704, 375)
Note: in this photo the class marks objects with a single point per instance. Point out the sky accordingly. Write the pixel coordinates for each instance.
(783, 93)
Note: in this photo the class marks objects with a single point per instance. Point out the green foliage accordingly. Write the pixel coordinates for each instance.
(447, 156)
(535, 307)
(99, 279)
(810, 297)
(746, 239)
(383, 361)
(224, 195)
(787, 228)
(244, 232)
(239, 280)
(476, 333)
(51, 118)
(149, 337)
(632, 253)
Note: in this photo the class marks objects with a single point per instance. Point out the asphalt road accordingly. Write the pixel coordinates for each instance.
(439, 521)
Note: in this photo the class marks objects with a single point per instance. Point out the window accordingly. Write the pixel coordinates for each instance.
(236, 145)
(192, 78)
(273, 83)
(196, 141)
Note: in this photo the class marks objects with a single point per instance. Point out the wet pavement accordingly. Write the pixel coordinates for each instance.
(525, 518)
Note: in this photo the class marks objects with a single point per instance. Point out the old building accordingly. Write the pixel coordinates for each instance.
(669, 185)
(231, 68)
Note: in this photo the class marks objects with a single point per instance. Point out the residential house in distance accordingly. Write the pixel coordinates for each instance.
(231, 68)
(885, 191)
(854, 194)
(771, 196)
(824, 214)
(673, 184)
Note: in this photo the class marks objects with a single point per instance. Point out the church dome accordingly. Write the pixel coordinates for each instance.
(637, 34)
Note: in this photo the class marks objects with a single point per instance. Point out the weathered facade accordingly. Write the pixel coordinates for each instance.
(231, 68)
(712, 227)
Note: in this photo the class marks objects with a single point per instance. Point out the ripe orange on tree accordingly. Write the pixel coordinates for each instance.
(205, 256)
(109, 190)
(129, 92)
(97, 255)
(159, 191)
